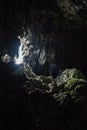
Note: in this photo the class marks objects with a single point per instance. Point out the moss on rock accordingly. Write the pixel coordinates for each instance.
(73, 83)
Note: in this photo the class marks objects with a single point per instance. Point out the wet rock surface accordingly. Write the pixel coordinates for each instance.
(39, 102)
(65, 104)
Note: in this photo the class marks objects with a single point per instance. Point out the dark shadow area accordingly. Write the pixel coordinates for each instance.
(59, 29)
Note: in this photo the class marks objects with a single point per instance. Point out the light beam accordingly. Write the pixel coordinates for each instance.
(23, 50)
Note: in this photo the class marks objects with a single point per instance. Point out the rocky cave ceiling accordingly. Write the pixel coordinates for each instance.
(58, 25)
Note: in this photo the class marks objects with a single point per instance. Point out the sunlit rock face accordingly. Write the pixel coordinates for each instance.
(59, 25)
(30, 53)
(23, 50)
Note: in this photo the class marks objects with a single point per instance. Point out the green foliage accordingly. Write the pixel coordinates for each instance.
(76, 88)
(73, 83)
